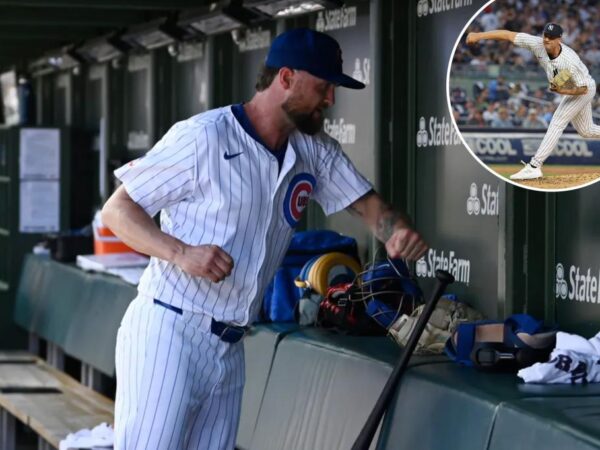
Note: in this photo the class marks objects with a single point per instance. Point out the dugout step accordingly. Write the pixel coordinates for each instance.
(50, 402)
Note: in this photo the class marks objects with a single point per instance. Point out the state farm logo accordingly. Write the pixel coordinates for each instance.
(561, 285)
(422, 8)
(362, 70)
(344, 133)
(422, 137)
(254, 39)
(434, 260)
(435, 133)
(488, 205)
(336, 19)
(425, 7)
(580, 285)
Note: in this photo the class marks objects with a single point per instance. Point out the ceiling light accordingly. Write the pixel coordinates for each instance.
(103, 49)
(220, 17)
(155, 34)
(288, 8)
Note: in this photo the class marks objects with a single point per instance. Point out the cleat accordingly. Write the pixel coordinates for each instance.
(527, 173)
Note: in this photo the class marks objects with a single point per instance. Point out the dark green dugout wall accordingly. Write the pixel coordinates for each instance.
(460, 207)
(575, 275)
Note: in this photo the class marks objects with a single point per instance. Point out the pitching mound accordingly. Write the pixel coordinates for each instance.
(555, 177)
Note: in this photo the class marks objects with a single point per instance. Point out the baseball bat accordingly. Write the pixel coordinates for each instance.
(363, 441)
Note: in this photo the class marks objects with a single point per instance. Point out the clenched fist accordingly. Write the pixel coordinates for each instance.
(472, 38)
(206, 261)
(406, 243)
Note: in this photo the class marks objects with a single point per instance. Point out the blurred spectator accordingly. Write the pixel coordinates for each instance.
(533, 121)
(456, 115)
(503, 120)
(593, 55)
(490, 114)
(520, 116)
(458, 95)
(489, 20)
(476, 119)
(548, 113)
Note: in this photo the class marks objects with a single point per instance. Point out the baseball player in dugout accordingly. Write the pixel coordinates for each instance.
(230, 185)
(567, 76)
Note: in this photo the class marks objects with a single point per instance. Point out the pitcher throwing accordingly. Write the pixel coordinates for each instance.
(576, 105)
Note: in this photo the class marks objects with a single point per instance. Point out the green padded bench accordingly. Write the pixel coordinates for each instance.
(80, 312)
(321, 389)
(260, 346)
(449, 406)
(571, 423)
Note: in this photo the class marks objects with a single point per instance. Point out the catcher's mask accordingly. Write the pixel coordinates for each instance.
(373, 301)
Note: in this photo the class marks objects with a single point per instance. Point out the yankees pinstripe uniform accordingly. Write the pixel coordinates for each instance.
(572, 108)
(214, 182)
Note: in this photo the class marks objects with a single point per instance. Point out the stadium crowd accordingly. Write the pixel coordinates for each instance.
(496, 102)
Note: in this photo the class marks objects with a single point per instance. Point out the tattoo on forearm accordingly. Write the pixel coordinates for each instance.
(381, 217)
(388, 219)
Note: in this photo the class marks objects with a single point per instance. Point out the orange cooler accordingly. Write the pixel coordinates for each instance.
(105, 240)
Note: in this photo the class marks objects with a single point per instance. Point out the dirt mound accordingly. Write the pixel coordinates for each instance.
(555, 176)
(561, 181)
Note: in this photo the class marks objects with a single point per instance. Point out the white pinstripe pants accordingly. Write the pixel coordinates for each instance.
(572, 108)
(179, 387)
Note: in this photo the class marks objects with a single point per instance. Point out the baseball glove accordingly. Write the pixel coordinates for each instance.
(563, 80)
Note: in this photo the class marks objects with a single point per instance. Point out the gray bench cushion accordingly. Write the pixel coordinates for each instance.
(442, 403)
(561, 423)
(259, 347)
(321, 390)
(78, 311)
(93, 335)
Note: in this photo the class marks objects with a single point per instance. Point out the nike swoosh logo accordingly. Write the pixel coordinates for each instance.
(229, 156)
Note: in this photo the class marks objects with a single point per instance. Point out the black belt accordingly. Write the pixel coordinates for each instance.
(225, 331)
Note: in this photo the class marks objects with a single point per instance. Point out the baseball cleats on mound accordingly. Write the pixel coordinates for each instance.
(527, 173)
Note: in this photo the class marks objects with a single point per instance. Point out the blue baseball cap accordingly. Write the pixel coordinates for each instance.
(312, 51)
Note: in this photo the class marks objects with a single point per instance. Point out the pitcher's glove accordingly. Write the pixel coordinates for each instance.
(562, 80)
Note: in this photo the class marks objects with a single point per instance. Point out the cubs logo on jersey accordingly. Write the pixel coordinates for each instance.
(297, 196)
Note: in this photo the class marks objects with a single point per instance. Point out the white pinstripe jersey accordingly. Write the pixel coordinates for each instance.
(567, 59)
(214, 184)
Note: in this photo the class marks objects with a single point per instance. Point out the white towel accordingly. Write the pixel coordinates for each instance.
(575, 360)
(101, 436)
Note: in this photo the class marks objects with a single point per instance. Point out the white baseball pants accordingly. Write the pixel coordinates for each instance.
(178, 385)
(572, 108)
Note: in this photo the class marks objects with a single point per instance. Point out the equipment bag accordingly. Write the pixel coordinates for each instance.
(518, 342)
(282, 295)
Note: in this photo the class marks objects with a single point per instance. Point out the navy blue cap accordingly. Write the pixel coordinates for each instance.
(312, 51)
(553, 30)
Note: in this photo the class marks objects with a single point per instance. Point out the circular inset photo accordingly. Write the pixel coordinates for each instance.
(522, 92)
